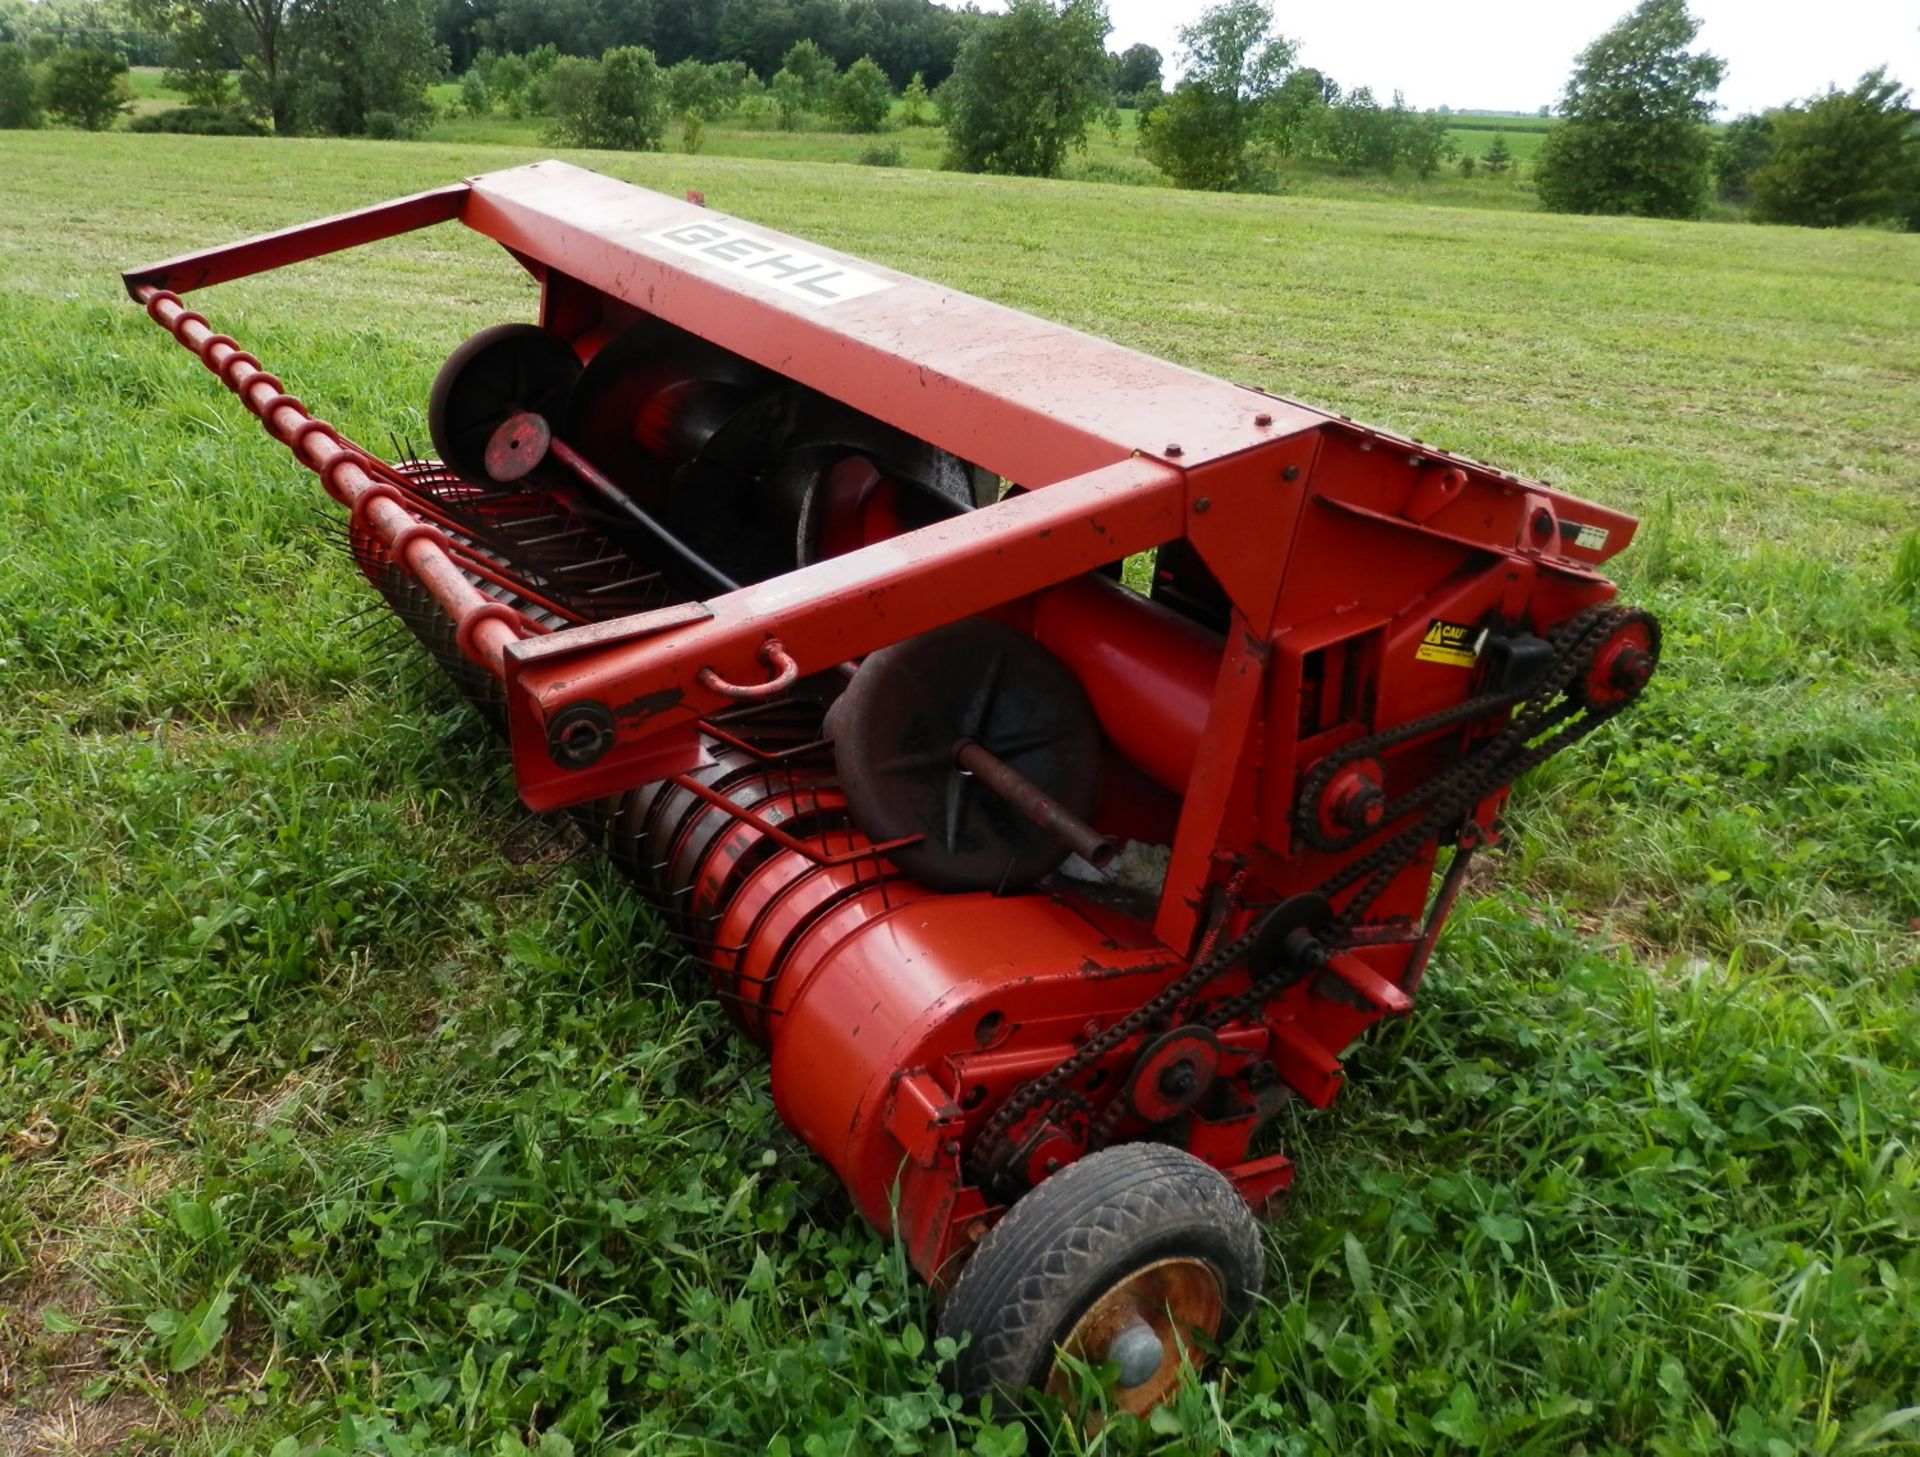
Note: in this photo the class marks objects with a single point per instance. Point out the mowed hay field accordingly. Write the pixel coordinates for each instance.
(344, 1109)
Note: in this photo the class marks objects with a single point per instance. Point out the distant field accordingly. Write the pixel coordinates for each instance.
(1524, 145)
(1494, 121)
(342, 1108)
(1106, 157)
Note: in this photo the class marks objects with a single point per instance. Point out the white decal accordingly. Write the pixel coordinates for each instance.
(1591, 538)
(801, 275)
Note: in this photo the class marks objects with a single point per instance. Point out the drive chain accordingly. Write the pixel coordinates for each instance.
(1542, 706)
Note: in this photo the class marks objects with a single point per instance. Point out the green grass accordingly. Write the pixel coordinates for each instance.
(332, 1085)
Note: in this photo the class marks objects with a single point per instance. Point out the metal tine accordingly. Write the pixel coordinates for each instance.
(553, 536)
(614, 586)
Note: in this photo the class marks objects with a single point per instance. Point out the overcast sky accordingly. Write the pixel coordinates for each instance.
(1514, 55)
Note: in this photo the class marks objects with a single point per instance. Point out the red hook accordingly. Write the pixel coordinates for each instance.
(785, 670)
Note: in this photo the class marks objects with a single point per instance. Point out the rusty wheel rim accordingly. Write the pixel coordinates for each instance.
(1178, 1300)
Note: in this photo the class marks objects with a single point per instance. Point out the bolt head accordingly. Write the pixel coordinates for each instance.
(1177, 1079)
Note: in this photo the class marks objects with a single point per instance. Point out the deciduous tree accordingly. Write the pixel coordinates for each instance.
(862, 97)
(789, 97)
(815, 70)
(1744, 146)
(1235, 64)
(260, 32)
(1633, 135)
(1847, 157)
(19, 101)
(87, 89)
(619, 101)
(362, 66)
(313, 65)
(1025, 87)
(1136, 69)
(915, 100)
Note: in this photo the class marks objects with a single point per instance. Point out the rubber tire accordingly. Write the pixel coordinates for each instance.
(1076, 1235)
(468, 400)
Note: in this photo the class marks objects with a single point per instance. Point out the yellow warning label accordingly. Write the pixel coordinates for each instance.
(1457, 644)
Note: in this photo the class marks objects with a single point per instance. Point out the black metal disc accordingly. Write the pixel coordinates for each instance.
(498, 373)
(1308, 912)
(895, 729)
(650, 400)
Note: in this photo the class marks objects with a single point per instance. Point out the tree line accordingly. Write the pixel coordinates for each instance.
(1016, 92)
(1633, 138)
(901, 37)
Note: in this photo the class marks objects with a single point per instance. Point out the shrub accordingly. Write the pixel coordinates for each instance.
(388, 126)
(618, 102)
(862, 97)
(695, 89)
(1421, 142)
(200, 121)
(883, 154)
(1194, 139)
(87, 89)
(915, 100)
(19, 107)
(509, 80)
(474, 99)
(693, 131)
(789, 96)
(1849, 157)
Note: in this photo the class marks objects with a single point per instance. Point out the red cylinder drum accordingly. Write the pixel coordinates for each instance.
(1148, 671)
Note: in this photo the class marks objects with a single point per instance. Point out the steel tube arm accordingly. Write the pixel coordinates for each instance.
(268, 251)
(647, 683)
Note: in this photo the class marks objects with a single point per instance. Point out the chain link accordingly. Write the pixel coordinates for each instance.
(1545, 705)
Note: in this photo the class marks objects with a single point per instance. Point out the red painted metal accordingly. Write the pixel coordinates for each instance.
(1318, 586)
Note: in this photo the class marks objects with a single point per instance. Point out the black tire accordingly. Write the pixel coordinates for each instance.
(1076, 1236)
(497, 373)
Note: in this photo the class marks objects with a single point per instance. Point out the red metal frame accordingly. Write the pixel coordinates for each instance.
(899, 1019)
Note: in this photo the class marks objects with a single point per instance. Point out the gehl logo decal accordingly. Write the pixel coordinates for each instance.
(799, 275)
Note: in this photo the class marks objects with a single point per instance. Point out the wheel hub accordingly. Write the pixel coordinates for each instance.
(1148, 1325)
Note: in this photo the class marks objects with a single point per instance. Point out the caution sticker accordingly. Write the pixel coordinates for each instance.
(1457, 644)
(1590, 538)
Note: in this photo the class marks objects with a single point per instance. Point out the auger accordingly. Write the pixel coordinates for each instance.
(1047, 751)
